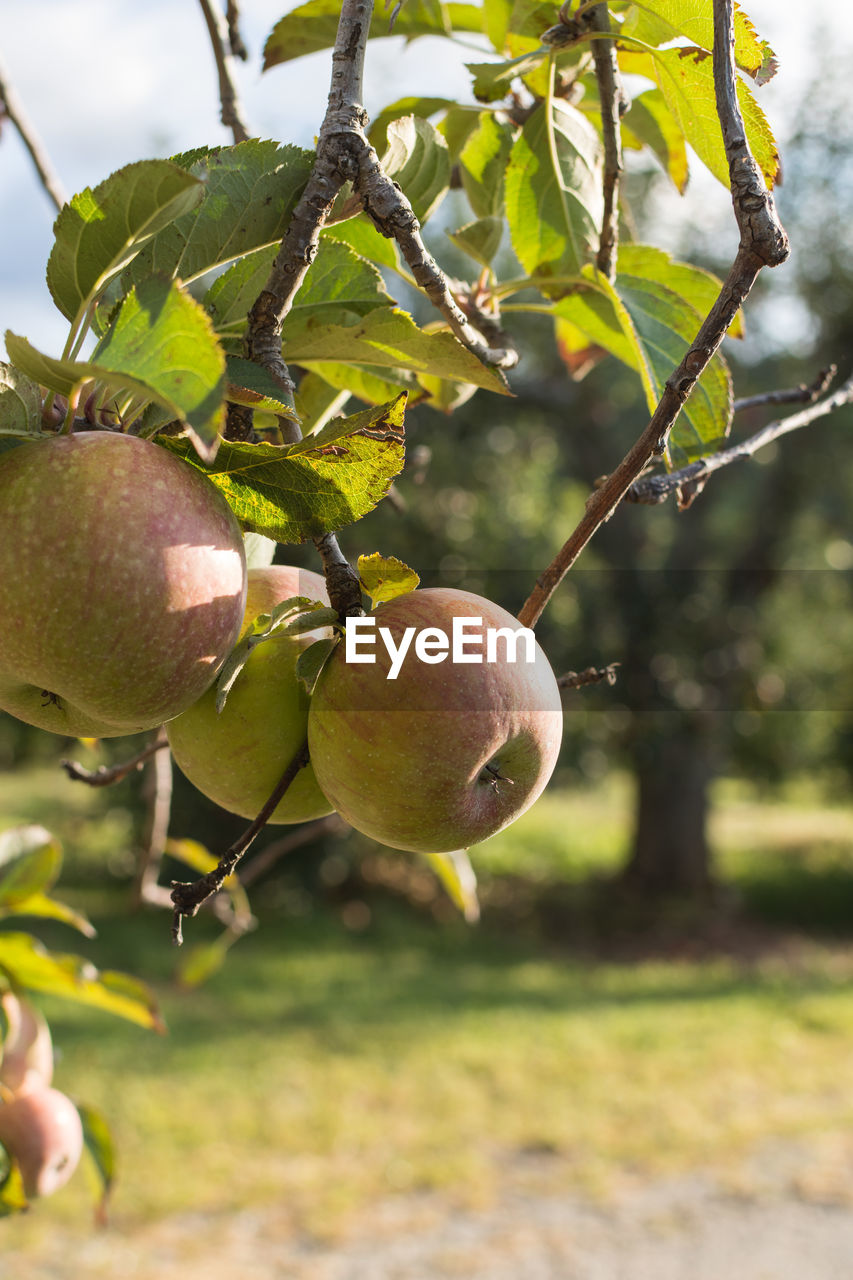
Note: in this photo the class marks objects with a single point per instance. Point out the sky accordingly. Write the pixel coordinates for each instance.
(110, 81)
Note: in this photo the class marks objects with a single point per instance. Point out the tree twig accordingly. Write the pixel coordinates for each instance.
(158, 813)
(13, 109)
(345, 155)
(762, 243)
(187, 897)
(803, 394)
(613, 106)
(235, 40)
(220, 30)
(332, 824)
(105, 776)
(690, 480)
(591, 675)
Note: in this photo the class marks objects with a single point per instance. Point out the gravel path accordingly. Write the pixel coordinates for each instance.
(685, 1228)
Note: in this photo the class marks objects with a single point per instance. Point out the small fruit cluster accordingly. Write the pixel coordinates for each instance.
(40, 1127)
(133, 570)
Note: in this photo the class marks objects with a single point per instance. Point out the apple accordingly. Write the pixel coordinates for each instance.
(445, 753)
(42, 1132)
(236, 757)
(26, 1055)
(122, 584)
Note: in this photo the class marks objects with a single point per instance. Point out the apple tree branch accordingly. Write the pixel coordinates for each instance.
(220, 28)
(689, 481)
(763, 243)
(13, 109)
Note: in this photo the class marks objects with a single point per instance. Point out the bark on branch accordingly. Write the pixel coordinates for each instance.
(345, 155)
(13, 109)
(763, 242)
(105, 776)
(614, 104)
(590, 675)
(220, 29)
(690, 481)
(189, 896)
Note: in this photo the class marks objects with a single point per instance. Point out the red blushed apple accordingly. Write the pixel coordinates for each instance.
(26, 1054)
(122, 584)
(236, 757)
(446, 753)
(42, 1131)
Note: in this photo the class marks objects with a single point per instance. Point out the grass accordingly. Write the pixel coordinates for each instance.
(323, 1069)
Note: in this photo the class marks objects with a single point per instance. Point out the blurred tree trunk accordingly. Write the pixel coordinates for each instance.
(670, 853)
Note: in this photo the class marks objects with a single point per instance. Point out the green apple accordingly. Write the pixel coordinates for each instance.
(42, 1131)
(428, 753)
(236, 757)
(122, 584)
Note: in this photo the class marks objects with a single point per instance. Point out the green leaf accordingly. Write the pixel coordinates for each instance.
(456, 127)
(291, 498)
(531, 17)
(481, 240)
(98, 1142)
(39, 904)
(496, 14)
(482, 165)
(554, 201)
(250, 192)
(455, 872)
(314, 26)
(160, 347)
(686, 79)
(492, 81)
(694, 284)
(20, 403)
(386, 416)
(251, 384)
(361, 235)
(664, 20)
(648, 325)
(654, 126)
(98, 232)
(312, 660)
(366, 382)
(30, 862)
(317, 402)
(340, 280)
(443, 395)
(386, 338)
(73, 978)
(232, 295)
(418, 160)
(412, 106)
(163, 338)
(385, 577)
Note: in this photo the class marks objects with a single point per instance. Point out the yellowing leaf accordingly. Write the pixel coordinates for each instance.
(384, 577)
